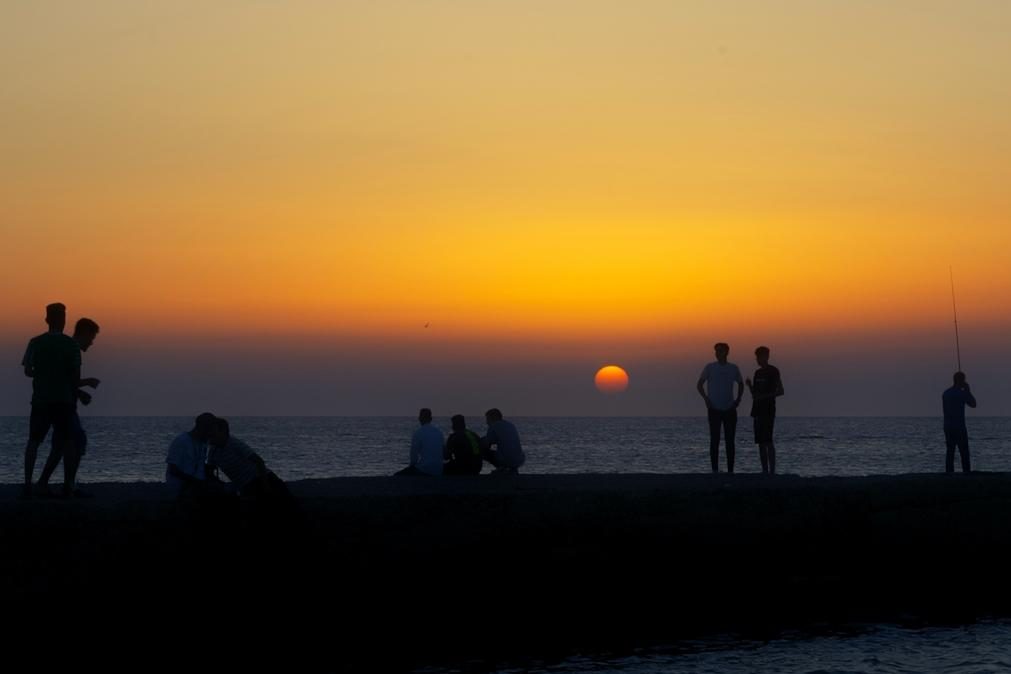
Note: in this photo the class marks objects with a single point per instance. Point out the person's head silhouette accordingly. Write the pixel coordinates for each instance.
(459, 423)
(56, 316)
(85, 331)
(722, 350)
(762, 355)
(219, 433)
(425, 416)
(493, 415)
(959, 379)
(203, 426)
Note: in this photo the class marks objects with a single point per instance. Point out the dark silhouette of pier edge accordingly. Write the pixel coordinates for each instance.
(537, 563)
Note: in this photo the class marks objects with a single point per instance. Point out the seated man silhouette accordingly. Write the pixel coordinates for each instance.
(185, 470)
(243, 467)
(507, 455)
(463, 450)
(426, 448)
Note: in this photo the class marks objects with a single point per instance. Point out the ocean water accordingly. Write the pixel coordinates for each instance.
(133, 448)
(878, 649)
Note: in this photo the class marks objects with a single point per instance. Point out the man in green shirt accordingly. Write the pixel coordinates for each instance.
(53, 361)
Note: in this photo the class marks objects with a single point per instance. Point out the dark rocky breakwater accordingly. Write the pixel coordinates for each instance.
(405, 571)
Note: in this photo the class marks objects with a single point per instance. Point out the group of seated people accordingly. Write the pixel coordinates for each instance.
(464, 452)
(196, 456)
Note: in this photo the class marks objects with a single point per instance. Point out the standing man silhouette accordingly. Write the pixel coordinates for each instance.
(716, 386)
(53, 361)
(767, 387)
(953, 401)
(85, 332)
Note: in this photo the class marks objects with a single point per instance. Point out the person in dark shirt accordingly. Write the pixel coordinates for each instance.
(53, 361)
(463, 450)
(766, 387)
(953, 402)
(85, 332)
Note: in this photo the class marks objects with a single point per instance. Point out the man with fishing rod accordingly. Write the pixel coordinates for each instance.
(956, 434)
(953, 402)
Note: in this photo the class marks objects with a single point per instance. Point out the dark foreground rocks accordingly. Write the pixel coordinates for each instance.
(389, 573)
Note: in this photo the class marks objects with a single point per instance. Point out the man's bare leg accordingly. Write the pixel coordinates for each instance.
(31, 454)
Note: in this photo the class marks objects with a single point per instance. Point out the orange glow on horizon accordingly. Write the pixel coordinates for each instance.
(356, 170)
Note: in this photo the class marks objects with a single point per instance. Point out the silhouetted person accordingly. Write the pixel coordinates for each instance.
(463, 450)
(426, 448)
(507, 455)
(186, 471)
(766, 388)
(953, 401)
(85, 332)
(244, 467)
(53, 361)
(719, 378)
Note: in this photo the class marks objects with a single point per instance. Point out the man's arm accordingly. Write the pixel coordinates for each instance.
(489, 440)
(75, 369)
(175, 471)
(415, 449)
(765, 396)
(90, 381)
(261, 467)
(970, 399)
(702, 390)
(26, 362)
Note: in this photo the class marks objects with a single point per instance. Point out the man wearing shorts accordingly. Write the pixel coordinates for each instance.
(85, 332)
(766, 387)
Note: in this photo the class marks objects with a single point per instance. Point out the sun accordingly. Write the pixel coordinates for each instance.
(611, 379)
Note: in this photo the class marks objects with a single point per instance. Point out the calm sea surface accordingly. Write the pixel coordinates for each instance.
(133, 448)
(880, 649)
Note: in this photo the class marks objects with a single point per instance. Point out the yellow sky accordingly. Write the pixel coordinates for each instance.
(537, 169)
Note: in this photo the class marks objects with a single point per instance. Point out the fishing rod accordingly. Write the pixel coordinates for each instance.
(954, 312)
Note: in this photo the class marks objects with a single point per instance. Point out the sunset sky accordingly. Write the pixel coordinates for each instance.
(265, 203)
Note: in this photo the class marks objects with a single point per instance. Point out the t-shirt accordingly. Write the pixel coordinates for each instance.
(506, 439)
(465, 449)
(188, 455)
(720, 378)
(55, 359)
(236, 460)
(765, 382)
(953, 401)
(426, 449)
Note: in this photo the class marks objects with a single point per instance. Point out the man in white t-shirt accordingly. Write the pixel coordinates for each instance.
(187, 455)
(716, 386)
(427, 445)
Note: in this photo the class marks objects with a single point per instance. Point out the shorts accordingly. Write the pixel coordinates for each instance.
(80, 437)
(58, 416)
(763, 429)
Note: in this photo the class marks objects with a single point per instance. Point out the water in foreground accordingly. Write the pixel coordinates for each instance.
(878, 649)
